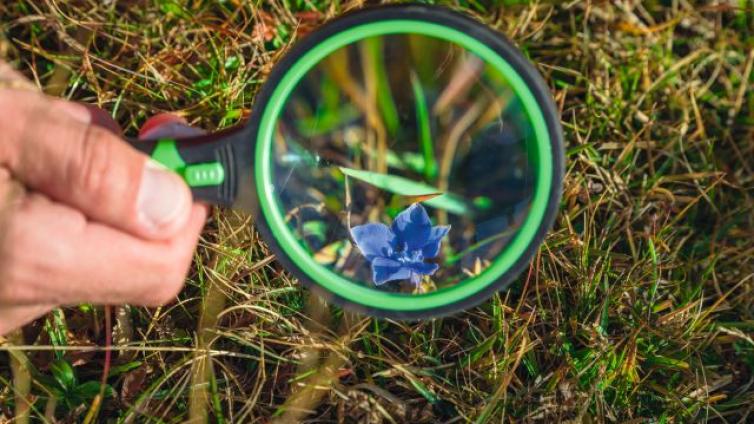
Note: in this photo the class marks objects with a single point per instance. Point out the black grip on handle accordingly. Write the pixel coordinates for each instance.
(210, 164)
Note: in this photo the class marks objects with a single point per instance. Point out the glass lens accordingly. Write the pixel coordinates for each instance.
(402, 162)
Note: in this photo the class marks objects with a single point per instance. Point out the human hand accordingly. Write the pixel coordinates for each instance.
(84, 218)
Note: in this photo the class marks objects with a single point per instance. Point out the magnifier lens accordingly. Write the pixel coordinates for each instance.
(404, 163)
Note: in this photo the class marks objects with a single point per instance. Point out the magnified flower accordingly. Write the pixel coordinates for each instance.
(398, 252)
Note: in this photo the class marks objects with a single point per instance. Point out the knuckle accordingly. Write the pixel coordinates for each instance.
(92, 162)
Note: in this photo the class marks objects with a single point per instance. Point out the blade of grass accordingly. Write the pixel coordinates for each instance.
(404, 187)
(385, 99)
(424, 129)
(451, 142)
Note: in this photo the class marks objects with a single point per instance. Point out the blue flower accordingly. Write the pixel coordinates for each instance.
(398, 252)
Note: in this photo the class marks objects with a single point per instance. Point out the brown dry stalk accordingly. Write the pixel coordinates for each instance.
(310, 392)
(212, 308)
(21, 369)
(97, 402)
(318, 314)
(201, 372)
(302, 402)
(457, 131)
(466, 74)
(373, 115)
(58, 82)
(366, 102)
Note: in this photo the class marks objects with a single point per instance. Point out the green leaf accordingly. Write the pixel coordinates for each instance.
(90, 389)
(425, 130)
(316, 229)
(57, 330)
(51, 384)
(171, 7)
(394, 161)
(478, 352)
(232, 63)
(232, 114)
(482, 202)
(404, 187)
(414, 161)
(123, 368)
(664, 361)
(422, 389)
(63, 373)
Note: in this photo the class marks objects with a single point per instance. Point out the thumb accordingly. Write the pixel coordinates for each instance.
(52, 147)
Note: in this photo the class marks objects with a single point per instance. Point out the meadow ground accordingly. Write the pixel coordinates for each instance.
(639, 306)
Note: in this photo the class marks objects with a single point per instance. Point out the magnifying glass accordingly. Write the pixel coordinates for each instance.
(401, 161)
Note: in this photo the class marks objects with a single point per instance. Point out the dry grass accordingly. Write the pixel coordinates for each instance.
(639, 305)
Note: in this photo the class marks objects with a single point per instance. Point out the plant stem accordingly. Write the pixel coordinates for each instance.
(97, 402)
(451, 145)
(21, 371)
(224, 266)
(304, 399)
(213, 304)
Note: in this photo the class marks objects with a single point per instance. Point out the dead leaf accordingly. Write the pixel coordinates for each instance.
(133, 383)
(265, 29)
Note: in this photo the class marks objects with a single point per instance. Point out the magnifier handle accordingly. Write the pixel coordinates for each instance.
(208, 163)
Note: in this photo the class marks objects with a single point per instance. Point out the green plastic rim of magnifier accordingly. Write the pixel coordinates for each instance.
(395, 304)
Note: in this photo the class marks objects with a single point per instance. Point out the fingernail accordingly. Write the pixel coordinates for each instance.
(163, 198)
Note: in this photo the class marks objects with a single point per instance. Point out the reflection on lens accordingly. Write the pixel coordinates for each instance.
(403, 163)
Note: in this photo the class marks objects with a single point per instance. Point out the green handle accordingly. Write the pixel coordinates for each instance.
(196, 175)
(211, 164)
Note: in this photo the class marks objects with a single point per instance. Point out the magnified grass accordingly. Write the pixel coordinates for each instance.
(482, 183)
(425, 130)
(385, 97)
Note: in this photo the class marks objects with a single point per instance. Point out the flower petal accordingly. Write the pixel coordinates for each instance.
(373, 240)
(412, 227)
(432, 247)
(384, 270)
(423, 268)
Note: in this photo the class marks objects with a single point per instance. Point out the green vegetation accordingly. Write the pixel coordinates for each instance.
(639, 306)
